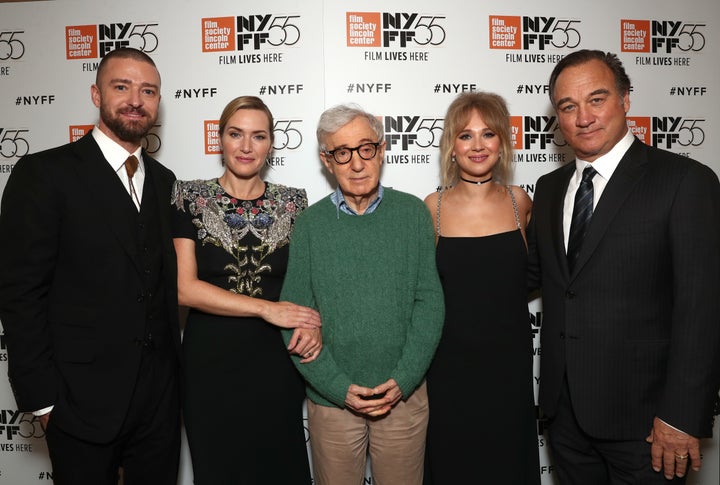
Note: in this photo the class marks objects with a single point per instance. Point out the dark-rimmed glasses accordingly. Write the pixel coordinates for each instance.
(343, 155)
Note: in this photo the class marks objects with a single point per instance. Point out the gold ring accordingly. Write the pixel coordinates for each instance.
(681, 457)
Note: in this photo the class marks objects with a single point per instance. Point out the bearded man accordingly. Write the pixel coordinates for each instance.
(88, 290)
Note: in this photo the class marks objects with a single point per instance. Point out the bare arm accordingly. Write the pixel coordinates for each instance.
(204, 296)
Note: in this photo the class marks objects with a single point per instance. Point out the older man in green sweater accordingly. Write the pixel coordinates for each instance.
(364, 256)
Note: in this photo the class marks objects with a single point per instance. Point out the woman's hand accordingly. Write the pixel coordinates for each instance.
(289, 315)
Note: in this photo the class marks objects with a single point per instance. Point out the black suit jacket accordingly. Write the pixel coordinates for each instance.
(636, 326)
(70, 282)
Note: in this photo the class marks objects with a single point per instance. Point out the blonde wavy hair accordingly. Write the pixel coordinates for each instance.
(493, 110)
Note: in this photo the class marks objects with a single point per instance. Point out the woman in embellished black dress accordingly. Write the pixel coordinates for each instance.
(480, 389)
(242, 396)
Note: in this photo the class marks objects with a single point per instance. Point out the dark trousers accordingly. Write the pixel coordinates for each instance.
(581, 459)
(148, 446)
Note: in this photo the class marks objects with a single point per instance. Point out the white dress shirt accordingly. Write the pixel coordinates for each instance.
(605, 166)
(116, 156)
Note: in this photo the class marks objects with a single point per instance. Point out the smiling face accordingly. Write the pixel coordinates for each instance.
(358, 179)
(476, 148)
(591, 112)
(246, 142)
(127, 93)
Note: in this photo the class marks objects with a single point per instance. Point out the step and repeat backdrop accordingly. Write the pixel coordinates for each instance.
(403, 61)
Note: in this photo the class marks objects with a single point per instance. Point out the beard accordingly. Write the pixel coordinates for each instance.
(127, 130)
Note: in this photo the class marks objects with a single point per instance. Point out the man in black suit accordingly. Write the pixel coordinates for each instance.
(628, 257)
(88, 291)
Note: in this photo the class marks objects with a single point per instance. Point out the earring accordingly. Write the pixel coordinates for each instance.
(453, 159)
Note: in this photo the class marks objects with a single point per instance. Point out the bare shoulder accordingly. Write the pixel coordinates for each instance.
(522, 198)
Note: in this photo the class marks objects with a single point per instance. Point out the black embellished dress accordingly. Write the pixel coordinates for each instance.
(482, 426)
(242, 396)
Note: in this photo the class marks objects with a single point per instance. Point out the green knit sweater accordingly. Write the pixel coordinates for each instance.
(374, 281)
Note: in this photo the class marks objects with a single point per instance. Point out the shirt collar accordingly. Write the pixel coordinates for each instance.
(114, 153)
(341, 204)
(606, 164)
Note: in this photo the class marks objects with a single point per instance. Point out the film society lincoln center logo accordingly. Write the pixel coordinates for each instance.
(94, 41)
(249, 33)
(396, 29)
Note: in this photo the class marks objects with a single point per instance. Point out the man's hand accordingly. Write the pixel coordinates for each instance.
(373, 402)
(307, 343)
(672, 450)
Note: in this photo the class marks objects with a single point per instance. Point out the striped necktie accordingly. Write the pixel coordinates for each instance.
(582, 213)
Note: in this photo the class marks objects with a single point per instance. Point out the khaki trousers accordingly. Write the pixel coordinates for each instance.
(340, 441)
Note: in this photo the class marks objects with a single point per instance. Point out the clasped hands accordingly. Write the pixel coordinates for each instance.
(375, 401)
(672, 450)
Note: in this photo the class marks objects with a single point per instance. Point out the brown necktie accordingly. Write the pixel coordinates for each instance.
(131, 165)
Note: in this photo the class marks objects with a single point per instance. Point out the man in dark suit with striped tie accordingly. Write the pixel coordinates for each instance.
(625, 243)
(88, 290)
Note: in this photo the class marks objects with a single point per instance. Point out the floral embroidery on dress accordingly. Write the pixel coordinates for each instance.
(224, 221)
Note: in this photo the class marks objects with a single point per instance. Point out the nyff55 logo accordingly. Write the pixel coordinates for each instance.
(535, 132)
(668, 132)
(249, 32)
(664, 36)
(93, 41)
(376, 29)
(405, 131)
(14, 423)
(512, 32)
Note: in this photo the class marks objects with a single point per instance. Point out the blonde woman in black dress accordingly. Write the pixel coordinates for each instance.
(480, 391)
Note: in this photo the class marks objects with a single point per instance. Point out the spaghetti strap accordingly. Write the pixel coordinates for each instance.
(514, 203)
(437, 215)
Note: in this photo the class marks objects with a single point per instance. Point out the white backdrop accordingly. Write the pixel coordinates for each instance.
(404, 61)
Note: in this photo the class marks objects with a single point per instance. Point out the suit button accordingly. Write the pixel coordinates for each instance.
(140, 298)
(147, 270)
(562, 336)
(569, 294)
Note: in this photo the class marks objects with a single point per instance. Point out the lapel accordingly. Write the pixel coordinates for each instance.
(160, 192)
(620, 186)
(115, 211)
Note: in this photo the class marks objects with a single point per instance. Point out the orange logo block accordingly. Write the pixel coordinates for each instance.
(212, 137)
(81, 42)
(218, 34)
(640, 127)
(516, 132)
(78, 131)
(363, 29)
(635, 35)
(505, 32)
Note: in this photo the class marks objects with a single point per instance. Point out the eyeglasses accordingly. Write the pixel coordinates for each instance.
(366, 151)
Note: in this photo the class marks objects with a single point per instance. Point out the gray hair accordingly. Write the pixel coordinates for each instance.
(335, 118)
